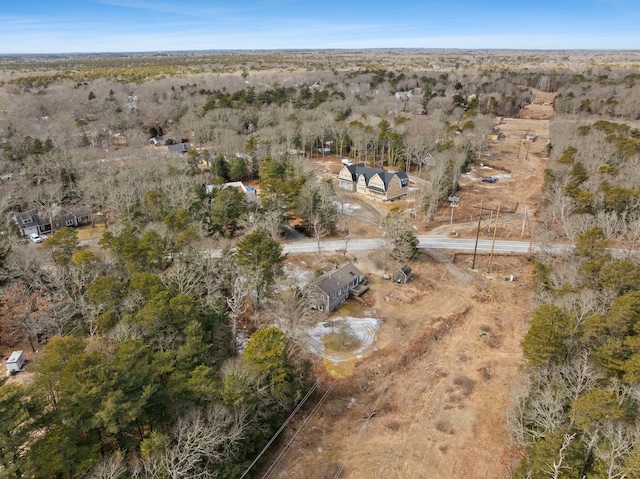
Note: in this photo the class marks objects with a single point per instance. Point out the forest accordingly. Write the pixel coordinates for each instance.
(576, 412)
(141, 369)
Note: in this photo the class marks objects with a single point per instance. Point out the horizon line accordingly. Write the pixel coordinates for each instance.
(329, 49)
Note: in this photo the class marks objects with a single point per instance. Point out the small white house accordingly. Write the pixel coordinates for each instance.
(15, 362)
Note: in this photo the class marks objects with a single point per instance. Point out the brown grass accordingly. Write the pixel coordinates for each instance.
(340, 342)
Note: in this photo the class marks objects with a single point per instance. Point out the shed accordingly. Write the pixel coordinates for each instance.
(402, 275)
(15, 362)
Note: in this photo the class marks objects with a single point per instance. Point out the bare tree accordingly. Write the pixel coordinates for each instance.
(546, 410)
(110, 467)
(398, 240)
(21, 311)
(416, 148)
(579, 376)
(236, 302)
(583, 304)
(267, 220)
(444, 177)
(555, 468)
(292, 312)
(538, 407)
(187, 277)
(632, 235)
(318, 209)
(344, 226)
(611, 223)
(200, 439)
(615, 444)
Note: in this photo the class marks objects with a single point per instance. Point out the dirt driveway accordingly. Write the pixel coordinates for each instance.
(517, 158)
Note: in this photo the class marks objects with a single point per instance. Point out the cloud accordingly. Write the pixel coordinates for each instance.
(179, 10)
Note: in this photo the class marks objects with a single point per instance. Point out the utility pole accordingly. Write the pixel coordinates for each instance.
(519, 146)
(451, 220)
(475, 248)
(493, 242)
(453, 203)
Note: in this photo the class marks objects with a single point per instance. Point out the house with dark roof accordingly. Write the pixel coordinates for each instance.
(179, 149)
(373, 182)
(40, 223)
(335, 286)
(28, 222)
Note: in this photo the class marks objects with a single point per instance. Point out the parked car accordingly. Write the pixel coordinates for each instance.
(36, 238)
(490, 179)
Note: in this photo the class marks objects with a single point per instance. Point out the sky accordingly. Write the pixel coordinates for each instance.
(74, 26)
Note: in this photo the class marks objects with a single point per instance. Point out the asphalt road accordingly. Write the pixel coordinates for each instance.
(465, 245)
(425, 242)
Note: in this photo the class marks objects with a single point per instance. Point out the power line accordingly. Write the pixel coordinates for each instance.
(475, 248)
(291, 416)
(275, 463)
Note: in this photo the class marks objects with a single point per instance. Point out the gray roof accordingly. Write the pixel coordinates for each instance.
(334, 280)
(31, 218)
(15, 356)
(179, 148)
(361, 169)
(28, 218)
(72, 211)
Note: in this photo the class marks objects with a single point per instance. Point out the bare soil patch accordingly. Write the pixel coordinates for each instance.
(87, 233)
(26, 375)
(519, 165)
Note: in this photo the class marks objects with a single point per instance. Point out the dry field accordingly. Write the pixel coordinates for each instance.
(428, 399)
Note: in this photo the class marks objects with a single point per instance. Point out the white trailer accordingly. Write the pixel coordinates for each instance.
(15, 362)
